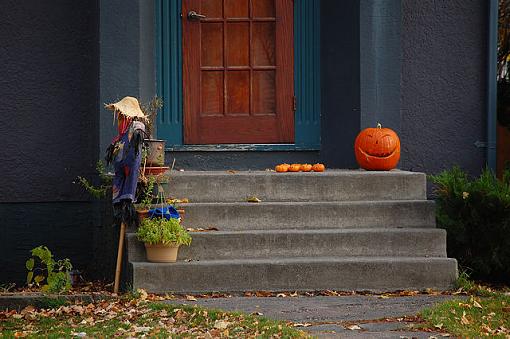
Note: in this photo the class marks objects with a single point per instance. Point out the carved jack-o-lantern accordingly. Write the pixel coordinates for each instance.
(377, 149)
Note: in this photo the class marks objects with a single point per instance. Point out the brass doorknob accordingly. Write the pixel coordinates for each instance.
(192, 15)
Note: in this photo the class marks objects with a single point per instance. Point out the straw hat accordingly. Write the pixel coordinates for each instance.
(128, 106)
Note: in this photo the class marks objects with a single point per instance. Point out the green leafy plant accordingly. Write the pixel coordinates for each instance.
(56, 273)
(476, 215)
(159, 230)
(100, 191)
(147, 189)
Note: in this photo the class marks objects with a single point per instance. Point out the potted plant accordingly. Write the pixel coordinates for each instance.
(146, 184)
(162, 238)
(155, 149)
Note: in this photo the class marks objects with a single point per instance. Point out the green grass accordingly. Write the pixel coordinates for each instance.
(134, 317)
(485, 313)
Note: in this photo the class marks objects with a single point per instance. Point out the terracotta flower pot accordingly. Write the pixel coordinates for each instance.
(156, 152)
(142, 214)
(182, 212)
(161, 252)
(155, 170)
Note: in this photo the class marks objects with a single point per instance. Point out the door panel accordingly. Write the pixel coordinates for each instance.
(238, 71)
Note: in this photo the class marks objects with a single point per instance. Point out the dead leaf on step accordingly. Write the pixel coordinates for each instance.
(383, 296)
(199, 229)
(353, 327)
(191, 298)
(174, 201)
(232, 171)
(281, 295)
(253, 199)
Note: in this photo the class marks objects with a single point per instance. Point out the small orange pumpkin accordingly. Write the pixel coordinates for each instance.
(295, 168)
(306, 167)
(377, 149)
(318, 168)
(282, 168)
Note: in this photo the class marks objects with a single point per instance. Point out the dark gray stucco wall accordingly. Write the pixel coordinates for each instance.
(49, 85)
(443, 84)
(380, 24)
(48, 53)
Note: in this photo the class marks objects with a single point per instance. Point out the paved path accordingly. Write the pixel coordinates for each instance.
(330, 317)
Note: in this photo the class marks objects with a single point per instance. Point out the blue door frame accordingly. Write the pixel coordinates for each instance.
(306, 79)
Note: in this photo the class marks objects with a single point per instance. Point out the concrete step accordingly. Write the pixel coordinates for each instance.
(280, 274)
(310, 215)
(306, 243)
(332, 185)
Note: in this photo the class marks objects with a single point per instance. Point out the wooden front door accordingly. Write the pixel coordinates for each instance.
(238, 71)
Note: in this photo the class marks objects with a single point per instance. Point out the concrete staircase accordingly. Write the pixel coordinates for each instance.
(339, 230)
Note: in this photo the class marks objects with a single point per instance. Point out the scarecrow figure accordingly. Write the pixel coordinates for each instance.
(125, 154)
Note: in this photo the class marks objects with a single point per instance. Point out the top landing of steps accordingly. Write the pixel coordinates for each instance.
(331, 185)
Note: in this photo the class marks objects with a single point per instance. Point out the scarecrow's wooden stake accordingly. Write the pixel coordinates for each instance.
(119, 258)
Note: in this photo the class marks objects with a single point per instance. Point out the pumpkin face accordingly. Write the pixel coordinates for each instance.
(318, 168)
(306, 167)
(282, 168)
(295, 168)
(377, 149)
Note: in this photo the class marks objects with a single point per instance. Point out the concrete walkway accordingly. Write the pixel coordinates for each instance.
(331, 317)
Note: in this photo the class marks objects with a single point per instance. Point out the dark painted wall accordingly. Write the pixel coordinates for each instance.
(340, 74)
(50, 90)
(127, 57)
(443, 84)
(380, 24)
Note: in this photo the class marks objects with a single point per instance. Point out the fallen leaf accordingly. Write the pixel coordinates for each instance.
(253, 199)
(506, 309)
(263, 293)
(353, 327)
(440, 326)
(477, 304)
(221, 324)
(464, 320)
(281, 295)
(257, 313)
(191, 298)
(141, 329)
(383, 296)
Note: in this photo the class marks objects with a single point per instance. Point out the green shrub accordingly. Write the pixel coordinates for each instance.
(160, 230)
(476, 215)
(56, 273)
